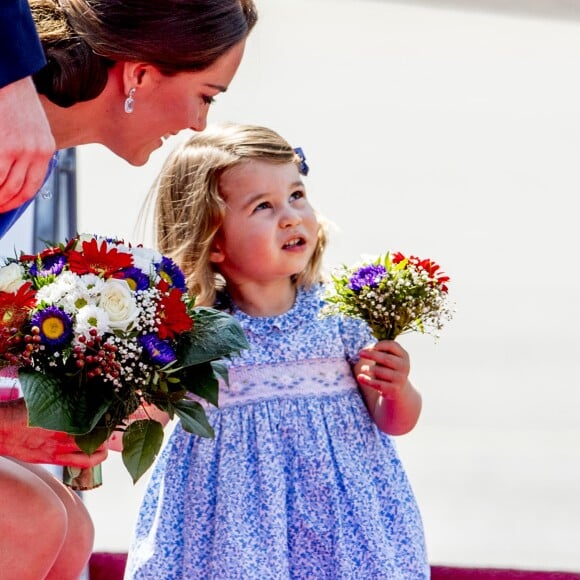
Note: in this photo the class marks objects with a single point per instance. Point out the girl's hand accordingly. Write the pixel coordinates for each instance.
(383, 375)
(385, 368)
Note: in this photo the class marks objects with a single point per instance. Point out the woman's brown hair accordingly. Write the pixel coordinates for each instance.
(83, 38)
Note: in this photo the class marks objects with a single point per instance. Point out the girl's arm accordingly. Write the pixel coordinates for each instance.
(383, 376)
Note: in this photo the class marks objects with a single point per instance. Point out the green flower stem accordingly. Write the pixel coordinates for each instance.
(82, 479)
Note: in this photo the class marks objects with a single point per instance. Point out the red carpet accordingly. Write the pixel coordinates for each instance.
(110, 566)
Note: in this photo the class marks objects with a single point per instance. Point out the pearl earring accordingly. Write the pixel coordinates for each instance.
(130, 101)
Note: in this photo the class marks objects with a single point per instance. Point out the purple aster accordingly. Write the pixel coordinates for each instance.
(55, 326)
(136, 279)
(171, 273)
(367, 276)
(159, 351)
(48, 266)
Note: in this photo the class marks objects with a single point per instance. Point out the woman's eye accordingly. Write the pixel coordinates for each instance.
(208, 100)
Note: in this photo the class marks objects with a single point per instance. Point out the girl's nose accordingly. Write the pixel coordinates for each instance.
(290, 218)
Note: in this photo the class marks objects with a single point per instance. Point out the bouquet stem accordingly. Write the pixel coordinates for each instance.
(82, 479)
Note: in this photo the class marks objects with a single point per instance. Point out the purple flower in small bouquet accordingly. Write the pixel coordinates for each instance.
(394, 294)
(367, 277)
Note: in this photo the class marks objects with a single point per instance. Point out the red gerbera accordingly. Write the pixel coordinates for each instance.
(98, 260)
(173, 315)
(14, 306)
(428, 266)
(44, 254)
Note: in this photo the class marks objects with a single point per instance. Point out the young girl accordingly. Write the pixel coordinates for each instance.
(302, 479)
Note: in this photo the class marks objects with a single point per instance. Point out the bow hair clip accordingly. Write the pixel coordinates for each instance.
(302, 166)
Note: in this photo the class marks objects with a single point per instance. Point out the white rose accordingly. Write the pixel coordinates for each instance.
(118, 302)
(11, 277)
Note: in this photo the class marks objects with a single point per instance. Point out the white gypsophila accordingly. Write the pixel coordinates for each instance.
(118, 301)
(11, 277)
(147, 301)
(52, 293)
(91, 316)
(129, 354)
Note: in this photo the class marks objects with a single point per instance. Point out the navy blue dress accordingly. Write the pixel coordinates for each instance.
(21, 53)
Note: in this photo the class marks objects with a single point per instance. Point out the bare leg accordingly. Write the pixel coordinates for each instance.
(33, 523)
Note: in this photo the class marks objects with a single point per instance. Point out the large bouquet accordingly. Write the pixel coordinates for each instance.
(394, 294)
(99, 330)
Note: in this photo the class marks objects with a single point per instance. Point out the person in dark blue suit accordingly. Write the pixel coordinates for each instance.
(126, 75)
(26, 142)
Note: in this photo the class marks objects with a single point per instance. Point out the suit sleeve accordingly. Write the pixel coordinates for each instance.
(21, 53)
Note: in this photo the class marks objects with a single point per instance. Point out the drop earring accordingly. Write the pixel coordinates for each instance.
(130, 101)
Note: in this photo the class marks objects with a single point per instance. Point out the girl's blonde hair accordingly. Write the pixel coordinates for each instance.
(189, 209)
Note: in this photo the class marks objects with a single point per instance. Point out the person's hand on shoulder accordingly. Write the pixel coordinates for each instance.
(26, 143)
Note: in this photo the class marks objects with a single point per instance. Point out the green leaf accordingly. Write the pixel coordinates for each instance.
(90, 442)
(201, 381)
(193, 418)
(215, 335)
(62, 405)
(142, 442)
(221, 370)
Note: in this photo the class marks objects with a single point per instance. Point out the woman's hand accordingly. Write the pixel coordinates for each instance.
(145, 411)
(26, 144)
(36, 445)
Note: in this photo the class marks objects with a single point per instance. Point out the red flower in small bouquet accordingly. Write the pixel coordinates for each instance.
(98, 329)
(394, 294)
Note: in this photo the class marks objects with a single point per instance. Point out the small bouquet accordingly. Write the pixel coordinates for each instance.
(394, 294)
(99, 330)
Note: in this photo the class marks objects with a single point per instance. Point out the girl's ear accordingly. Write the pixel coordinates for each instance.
(216, 254)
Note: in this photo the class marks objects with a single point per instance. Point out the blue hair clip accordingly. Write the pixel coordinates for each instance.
(302, 167)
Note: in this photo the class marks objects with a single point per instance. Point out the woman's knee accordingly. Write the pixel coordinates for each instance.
(30, 505)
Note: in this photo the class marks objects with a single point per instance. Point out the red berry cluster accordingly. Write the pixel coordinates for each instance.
(95, 357)
(10, 341)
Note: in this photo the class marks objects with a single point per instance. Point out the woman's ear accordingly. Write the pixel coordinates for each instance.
(136, 75)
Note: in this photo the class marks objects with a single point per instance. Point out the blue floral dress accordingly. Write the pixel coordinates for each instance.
(298, 482)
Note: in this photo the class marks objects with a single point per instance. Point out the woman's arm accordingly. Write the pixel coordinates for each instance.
(26, 141)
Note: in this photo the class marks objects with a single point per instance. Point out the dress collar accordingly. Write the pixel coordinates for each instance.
(305, 308)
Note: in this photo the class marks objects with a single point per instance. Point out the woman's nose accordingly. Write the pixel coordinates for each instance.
(201, 121)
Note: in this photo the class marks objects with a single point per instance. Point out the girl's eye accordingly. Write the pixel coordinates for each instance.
(263, 205)
(208, 100)
(297, 195)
